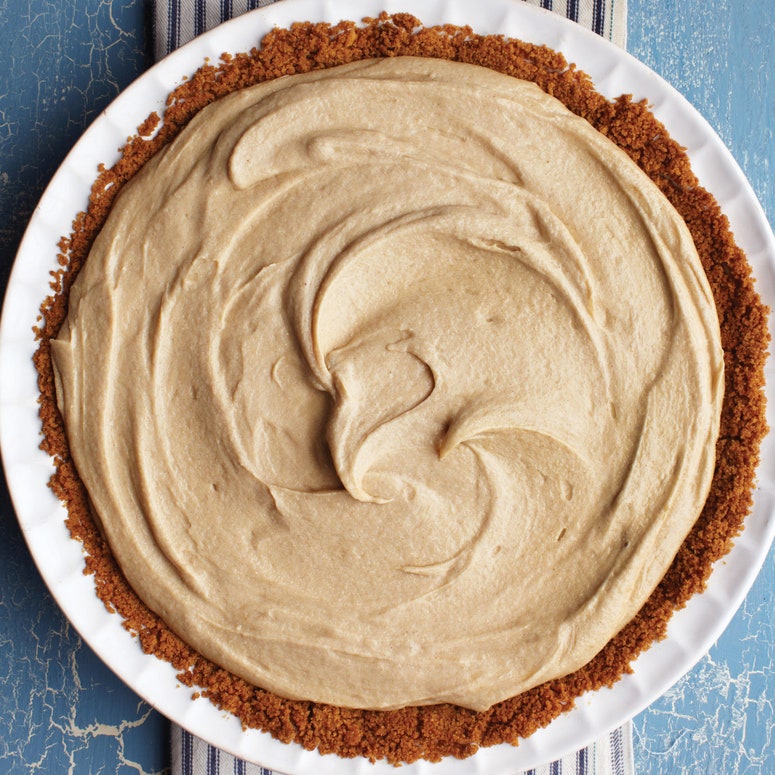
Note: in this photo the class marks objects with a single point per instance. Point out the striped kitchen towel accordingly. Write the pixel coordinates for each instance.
(175, 23)
(178, 21)
(609, 755)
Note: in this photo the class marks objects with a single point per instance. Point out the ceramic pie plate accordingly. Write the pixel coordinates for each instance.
(60, 559)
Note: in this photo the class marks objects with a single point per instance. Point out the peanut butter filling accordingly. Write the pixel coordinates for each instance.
(393, 384)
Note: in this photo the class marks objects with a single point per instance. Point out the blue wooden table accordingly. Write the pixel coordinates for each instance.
(61, 709)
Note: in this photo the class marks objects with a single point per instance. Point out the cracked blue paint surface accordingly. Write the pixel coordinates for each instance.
(61, 709)
(720, 718)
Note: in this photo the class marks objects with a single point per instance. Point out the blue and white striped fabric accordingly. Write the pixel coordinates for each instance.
(610, 755)
(178, 21)
(175, 23)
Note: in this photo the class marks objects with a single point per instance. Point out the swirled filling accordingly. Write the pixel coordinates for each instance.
(393, 384)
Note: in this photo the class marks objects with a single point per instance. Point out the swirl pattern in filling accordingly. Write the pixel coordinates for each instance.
(393, 384)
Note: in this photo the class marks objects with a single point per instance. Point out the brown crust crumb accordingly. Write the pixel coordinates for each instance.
(433, 732)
